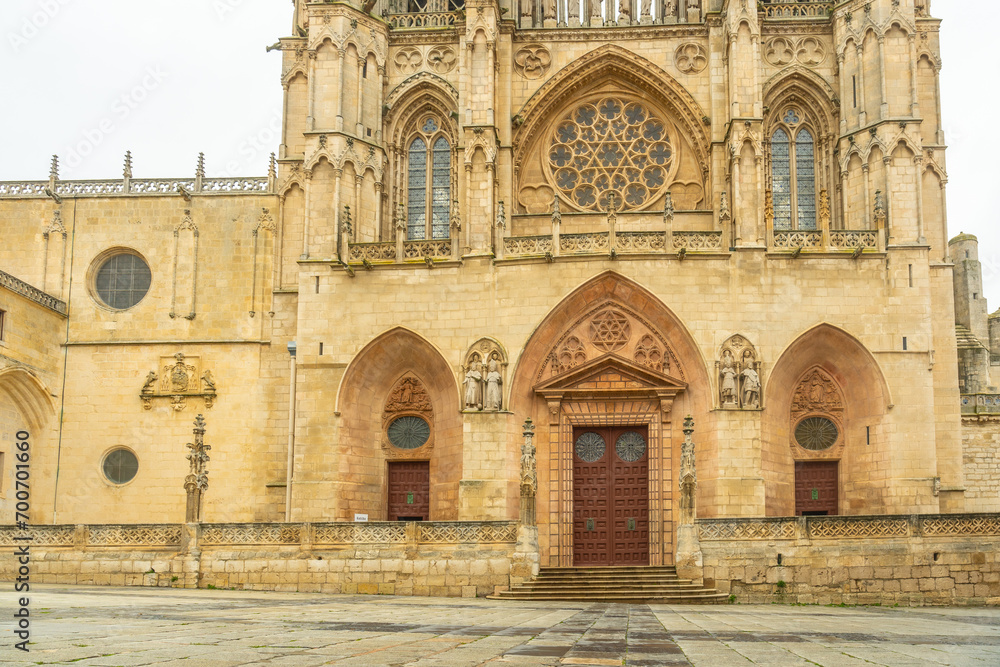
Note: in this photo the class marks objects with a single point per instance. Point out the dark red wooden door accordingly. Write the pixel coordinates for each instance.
(409, 490)
(610, 496)
(816, 488)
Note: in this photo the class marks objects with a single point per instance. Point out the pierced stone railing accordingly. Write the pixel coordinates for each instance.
(797, 10)
(436, 249)
(527, 245)
(640, 242)
(849, 527)
(136, 186)
(846, 239)
(789, 240)
(423, 21)
(18, 286)
(170, 536)
(373, 252)
(697, 240)
(596, 242)
(980, 404)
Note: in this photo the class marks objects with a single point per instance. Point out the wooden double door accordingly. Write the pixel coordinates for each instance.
(816, 488)
(409, 490)
(610, 496)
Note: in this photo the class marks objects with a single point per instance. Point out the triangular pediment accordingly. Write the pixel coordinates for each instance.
(611, 375)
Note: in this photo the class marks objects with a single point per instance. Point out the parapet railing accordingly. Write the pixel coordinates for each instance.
(980, 404)
(136, 186)
(175, 537)
(18, 286)
(797, 10)
(838, 527)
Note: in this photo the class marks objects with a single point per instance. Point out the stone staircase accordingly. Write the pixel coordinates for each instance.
(650, 584)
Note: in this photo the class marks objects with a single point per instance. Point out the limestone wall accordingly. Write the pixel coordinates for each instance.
(911, 560)
(461, 559)
(981, 463)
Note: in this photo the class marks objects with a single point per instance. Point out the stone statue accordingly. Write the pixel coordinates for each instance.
(728, 373)
(209, 381)
(595, 9)
(644, 7)
(473, 386)
(527, 7)
(751, 388)
(670, 8)
(494, 393)
(550, 9)
(150, 381)
(625, 11)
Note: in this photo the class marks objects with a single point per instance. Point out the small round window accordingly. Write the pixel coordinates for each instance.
(816, 433)
(120, 466)
(409, 432)
(122, 280)
(590, 447)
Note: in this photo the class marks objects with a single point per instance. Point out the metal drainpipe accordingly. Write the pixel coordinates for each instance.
(291, 432)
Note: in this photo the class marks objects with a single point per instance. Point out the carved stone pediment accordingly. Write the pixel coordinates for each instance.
(611, 376)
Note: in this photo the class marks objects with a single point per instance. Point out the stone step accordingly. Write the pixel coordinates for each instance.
(612, 584)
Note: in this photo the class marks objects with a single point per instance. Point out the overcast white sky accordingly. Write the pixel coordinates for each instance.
(90, 80)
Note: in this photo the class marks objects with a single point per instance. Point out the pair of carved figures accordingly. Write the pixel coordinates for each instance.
(739, 375)
(483, 384)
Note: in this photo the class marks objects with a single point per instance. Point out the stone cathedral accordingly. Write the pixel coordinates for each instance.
(700, 244)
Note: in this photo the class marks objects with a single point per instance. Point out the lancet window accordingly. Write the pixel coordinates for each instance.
(428, 182)
(793, 172)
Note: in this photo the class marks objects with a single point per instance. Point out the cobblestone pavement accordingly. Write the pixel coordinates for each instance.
(190, 628)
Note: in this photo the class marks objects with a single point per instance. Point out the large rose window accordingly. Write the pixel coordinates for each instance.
(610, 146)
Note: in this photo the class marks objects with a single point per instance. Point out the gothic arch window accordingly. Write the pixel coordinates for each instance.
(793, 172)
(428, 182)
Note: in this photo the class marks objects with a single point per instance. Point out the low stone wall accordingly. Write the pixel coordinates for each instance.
(981, 459)
(456, 559)
(909, 560)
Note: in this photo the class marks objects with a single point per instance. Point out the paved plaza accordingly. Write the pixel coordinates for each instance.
(189, 628)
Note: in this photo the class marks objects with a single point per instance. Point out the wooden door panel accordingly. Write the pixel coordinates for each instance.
(611, 503)
(816, 487)
(409, 490)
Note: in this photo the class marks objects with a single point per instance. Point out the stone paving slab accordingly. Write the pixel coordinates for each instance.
(106, 627)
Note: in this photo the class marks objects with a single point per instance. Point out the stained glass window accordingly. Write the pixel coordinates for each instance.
(805, 179)
(816, 433)
(793, 174)
(416, 204)
(610, 148)
(120, 466)
(122, 281)
(408, 432)
(441, 189)
(429, 184)
(781, 171)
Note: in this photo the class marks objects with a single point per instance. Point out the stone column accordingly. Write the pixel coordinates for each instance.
(556, 224)
(196, 483)
(689, 558)
(884, 106)
(340, 91)
(359, 127)
(525, 560)
(862, 111)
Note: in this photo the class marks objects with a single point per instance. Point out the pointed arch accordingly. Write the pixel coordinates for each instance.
(361, 399)
(29, 396)
(613, 63)
(865, 467)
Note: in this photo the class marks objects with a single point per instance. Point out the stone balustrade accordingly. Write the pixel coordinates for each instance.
(797, 10)
(843, 527)
(18, 286)
(136, 186)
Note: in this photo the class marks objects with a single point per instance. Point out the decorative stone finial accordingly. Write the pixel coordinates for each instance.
(401, 217)
(345, 220)
(879, 207)
(128, 164)
(196, 482)
(668, 207)
(456, 217)
(54, 168)
(724, 207)
(556, 215)
(200, 169)
(501, 216)
(272, 168)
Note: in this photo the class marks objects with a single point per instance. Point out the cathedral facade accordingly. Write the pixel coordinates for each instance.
(604, 217)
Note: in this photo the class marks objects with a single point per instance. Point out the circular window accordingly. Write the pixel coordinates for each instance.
(816, 433)
(630, 446)
(120, 466)
(610, 147)
(122, 280)
(590, 447)
(409, 432)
